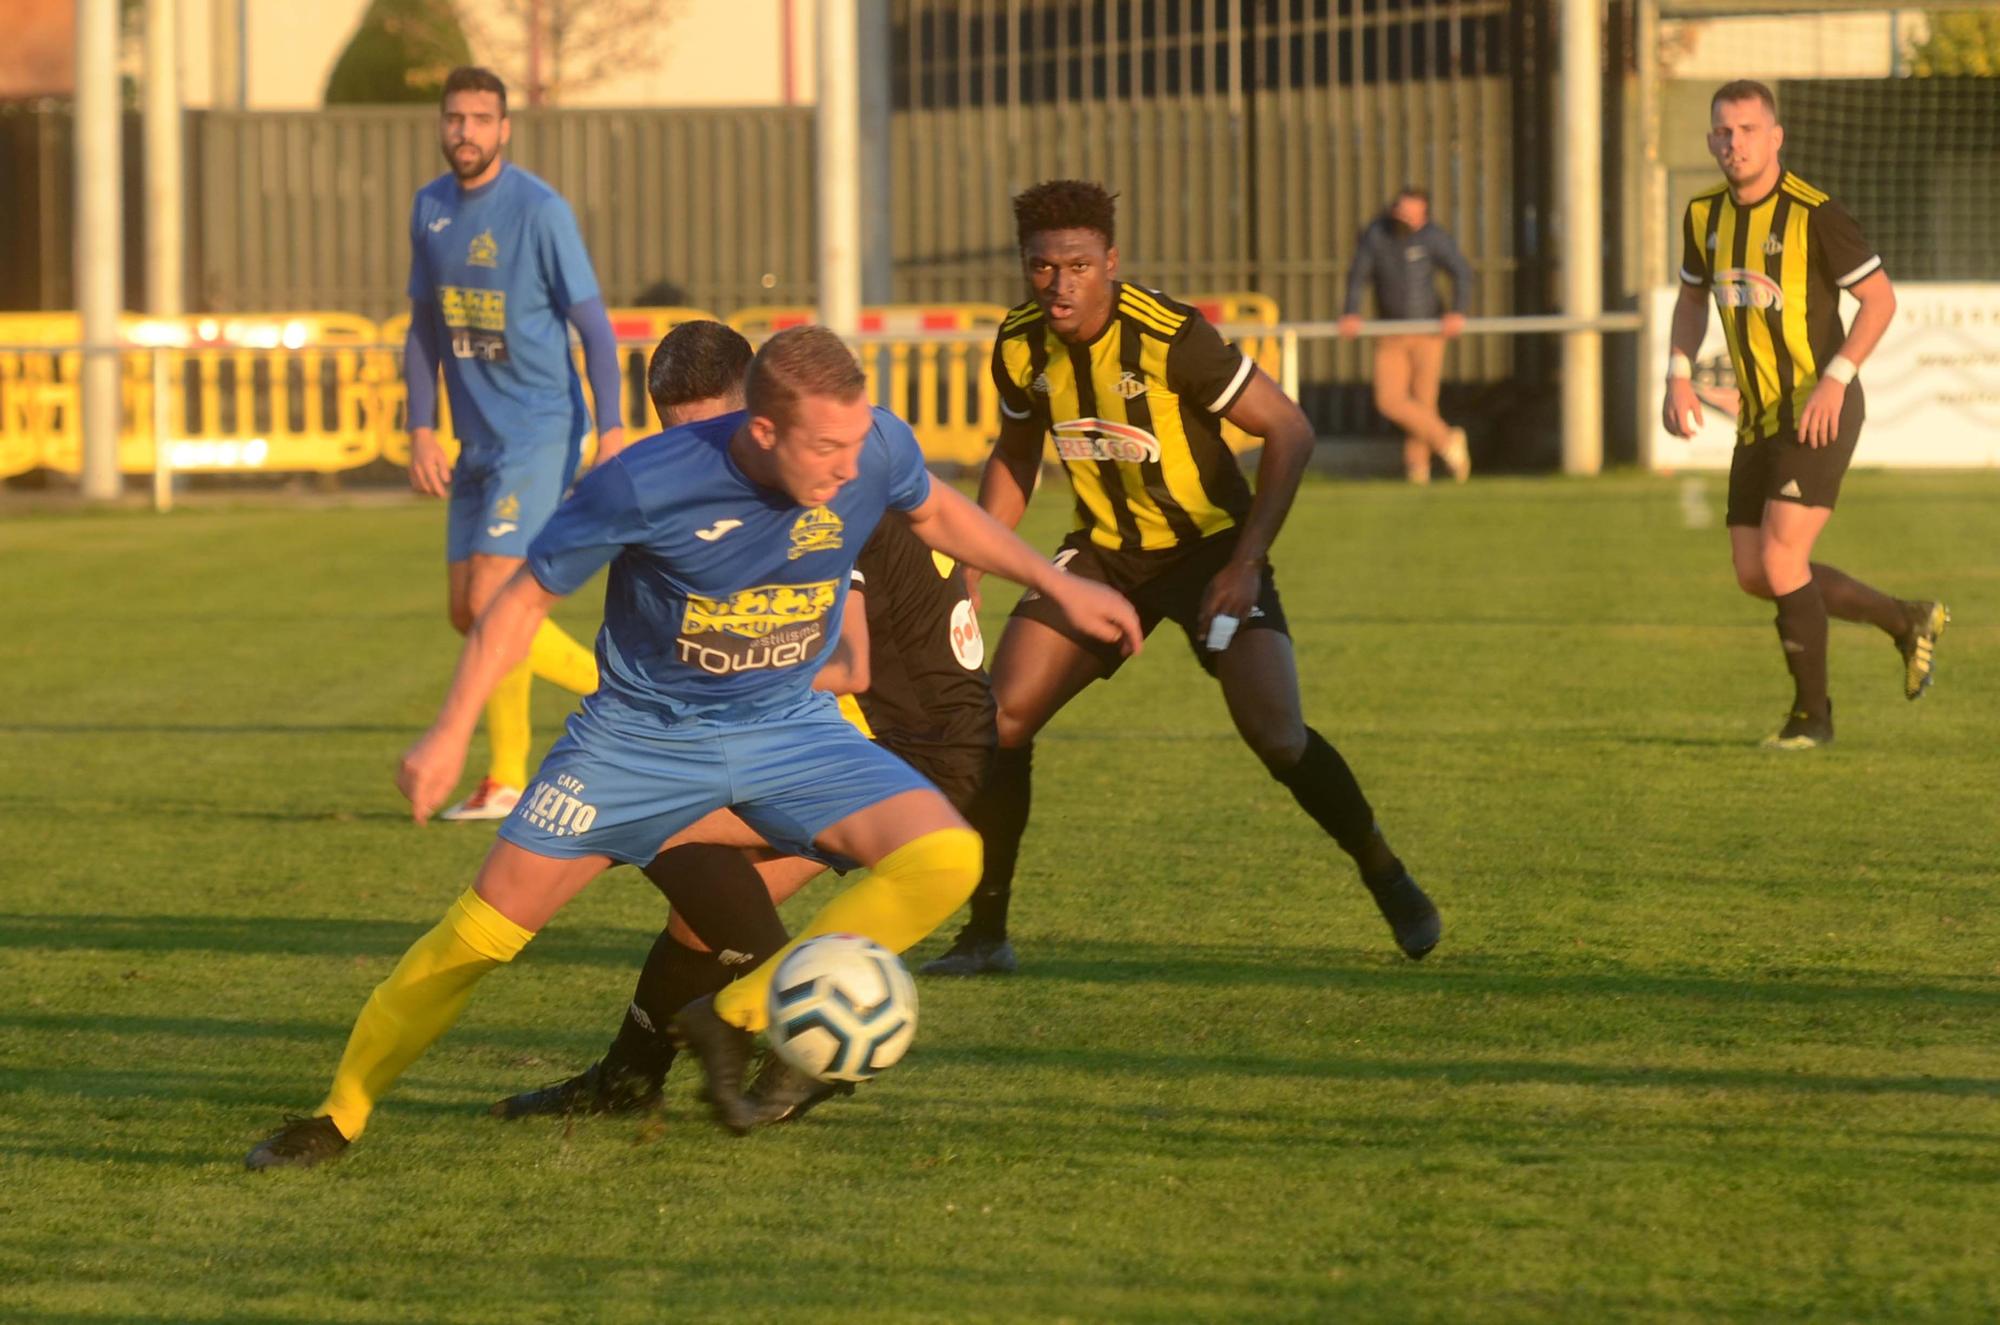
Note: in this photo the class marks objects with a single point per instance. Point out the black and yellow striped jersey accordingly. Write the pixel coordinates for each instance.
(1135, 414)
(1776, 267)
(927, 687)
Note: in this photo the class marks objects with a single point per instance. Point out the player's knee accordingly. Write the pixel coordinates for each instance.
(462, 617)
(484, 929)
(1782, 565)
(1751, 580)
(1014, 729)
(1280, 749)
(944, 866)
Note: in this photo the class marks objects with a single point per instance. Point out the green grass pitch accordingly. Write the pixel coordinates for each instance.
(1714, 1033)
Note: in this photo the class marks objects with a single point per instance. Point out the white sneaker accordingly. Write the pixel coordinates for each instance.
(1457, 458)
(489, 800)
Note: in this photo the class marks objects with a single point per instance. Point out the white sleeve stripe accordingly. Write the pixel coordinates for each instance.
(1235, 387)
(1691, 278)
(856, 577)
(1024, 414)
(1859, 272)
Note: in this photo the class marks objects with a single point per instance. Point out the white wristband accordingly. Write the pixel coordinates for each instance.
(1841, 369)
(1678, 366)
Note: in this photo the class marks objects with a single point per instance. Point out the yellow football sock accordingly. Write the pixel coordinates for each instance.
(912, 891)
(558, 658)
(507, 728)
(417, 1003)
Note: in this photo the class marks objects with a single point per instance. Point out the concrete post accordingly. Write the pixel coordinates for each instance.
(100, 240)
(838, 124)
(1581, 211)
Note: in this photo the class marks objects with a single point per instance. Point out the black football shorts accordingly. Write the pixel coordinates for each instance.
(1164, 585)
(1783, 468)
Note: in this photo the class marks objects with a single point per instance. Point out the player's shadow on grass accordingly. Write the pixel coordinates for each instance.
(147, 808)
(1449, 1072)
(294, 936)
(1473, 977)
(1727, 741)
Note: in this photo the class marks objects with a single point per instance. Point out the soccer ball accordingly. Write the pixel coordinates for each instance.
(842, 1008)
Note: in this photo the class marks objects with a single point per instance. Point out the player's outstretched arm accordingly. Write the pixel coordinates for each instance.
(497, 642)
(948, 522)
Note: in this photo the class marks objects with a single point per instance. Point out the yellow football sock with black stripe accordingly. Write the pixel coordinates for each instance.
(558, 658)
(417, 1003)
(507, 728)
(912, 891)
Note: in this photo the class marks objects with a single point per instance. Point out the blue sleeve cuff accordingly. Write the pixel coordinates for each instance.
(600, 361)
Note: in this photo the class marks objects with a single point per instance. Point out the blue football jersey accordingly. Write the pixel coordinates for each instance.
(502, 264)
(724, 596)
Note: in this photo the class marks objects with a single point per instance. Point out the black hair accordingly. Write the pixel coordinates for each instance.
(475, 78)
(1065, 204)
(697, 361)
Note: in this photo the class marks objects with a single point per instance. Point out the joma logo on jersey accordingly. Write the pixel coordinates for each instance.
(1102, 439)
(483, 251)
(755, 613)
(818, 530)
(553, 810)
(1738, 287)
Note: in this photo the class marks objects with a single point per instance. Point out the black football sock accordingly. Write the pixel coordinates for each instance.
(674, 976)
(999, 814)
(1851, 600)
(721, 897)
(1802, 631)
(1325, 788)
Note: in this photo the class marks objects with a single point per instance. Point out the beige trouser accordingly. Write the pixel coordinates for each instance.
(1408, 370)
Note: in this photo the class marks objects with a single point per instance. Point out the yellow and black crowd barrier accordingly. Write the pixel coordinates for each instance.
(927, 362)
(324, 393)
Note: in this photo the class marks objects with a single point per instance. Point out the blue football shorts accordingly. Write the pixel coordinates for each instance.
(500, 502)
(605, 790)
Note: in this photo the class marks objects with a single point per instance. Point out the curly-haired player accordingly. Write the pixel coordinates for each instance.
(1134, 387)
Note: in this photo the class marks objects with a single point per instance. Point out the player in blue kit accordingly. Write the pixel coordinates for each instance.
(498, 276)
(908, 669)
(730, 543)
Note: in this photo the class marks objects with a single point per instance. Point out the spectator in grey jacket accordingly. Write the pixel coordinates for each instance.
(1400, 253)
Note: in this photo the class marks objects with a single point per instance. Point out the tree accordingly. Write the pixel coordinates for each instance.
(401, 52)
(549, 49)
(1963, 43)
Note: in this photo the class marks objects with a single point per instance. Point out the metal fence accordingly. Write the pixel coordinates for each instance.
(311, 209)
(1250, 142)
